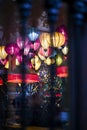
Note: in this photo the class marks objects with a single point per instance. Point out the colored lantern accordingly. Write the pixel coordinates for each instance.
(36, 63)
(62, 29)
(7, 64)
(26, 49)
(36, 45)
(17, 78)
(45, 40)
(1, 81)
(48, 61)
(31, 78)
(65, 50)
(30, 65)
(3, 53)
(4, 61)
(19, 57)
(31, 54)
(58, 95)
(33, 34)
(45, 52)
(12, 49)
(47, 95)
(22, 43)
(62, 71)
(14, 78)
(59, 60)
(58, 39)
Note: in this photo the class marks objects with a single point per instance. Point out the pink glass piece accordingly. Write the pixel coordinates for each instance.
(36, 44)
(30, 65)
(26, 49)
(21, 43)
(45, 52)
(31, 54)
(12, 49)
(19, 57)
(62, 29)
(3, 61)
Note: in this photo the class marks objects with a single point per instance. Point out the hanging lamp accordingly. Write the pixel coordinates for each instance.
(62, 71)
(3, 53)
(17, 78)
(1, 81)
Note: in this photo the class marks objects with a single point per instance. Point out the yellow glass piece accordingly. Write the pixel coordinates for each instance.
(3, 53)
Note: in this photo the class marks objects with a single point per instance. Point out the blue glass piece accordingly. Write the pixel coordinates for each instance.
(33, 34)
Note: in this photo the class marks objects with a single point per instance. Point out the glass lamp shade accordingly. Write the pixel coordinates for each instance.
(62, 29)
(59, 60)
(36, 44)
(45, 40)
(7, 64)
(31, 78)
(62, 71)
(12, 49)
(58, 39)
(19, 57)
(17, 78)
(33, 34)
(3, 53)
(65, 50)
(26, 49)
(30, 65)
(22, 43)
(36, 62)
(31, 54)
(45, 52)
(4, 61)
(14, 78)
(1, 81)
(56, 95)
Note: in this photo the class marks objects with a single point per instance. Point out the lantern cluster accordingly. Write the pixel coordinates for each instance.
(39, 48)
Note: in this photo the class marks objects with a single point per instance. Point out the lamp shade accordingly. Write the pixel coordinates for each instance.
(19, 57)
(45, 52)
(59, 59)
(14, 78)
(3, 61)
(47, 95)
(12, 49)
(21, 43)
(58, 39)
(45, 40)
(33, 34)
(1, 81)
(3, 53)
(31, 78)
(65, 50)
(26, 49)
(36, 44)
(62, 29)
(36, 63)
(62, 71)
(17, 78)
